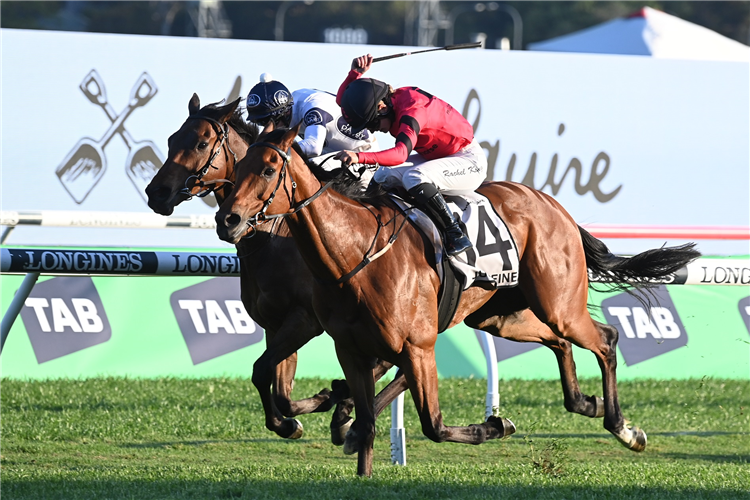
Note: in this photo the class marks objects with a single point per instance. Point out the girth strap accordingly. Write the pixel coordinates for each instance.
(450, 295)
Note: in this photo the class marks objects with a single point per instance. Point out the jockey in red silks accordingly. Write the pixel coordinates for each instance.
(448, 159)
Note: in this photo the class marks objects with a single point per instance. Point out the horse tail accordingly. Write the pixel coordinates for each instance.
(635, 271)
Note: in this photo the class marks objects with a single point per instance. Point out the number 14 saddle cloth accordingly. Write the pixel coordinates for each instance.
(493, 260)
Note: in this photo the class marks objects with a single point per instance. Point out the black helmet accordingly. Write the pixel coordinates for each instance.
(359, 104)
(269, 99)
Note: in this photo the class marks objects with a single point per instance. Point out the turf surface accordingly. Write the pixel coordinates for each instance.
(190, 439)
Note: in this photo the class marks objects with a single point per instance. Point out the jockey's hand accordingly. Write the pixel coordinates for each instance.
(347, 157)
(362, 63)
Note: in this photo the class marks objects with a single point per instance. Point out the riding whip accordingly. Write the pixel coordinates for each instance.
(457, 46)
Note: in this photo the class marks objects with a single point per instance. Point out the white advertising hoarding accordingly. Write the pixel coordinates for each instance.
(616, 139)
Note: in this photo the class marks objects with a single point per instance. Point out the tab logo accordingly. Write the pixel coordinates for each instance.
(213, 320)
(64, 315)
(744, 306)
(645, 332)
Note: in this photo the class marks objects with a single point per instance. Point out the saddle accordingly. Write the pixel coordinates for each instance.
(491, 263)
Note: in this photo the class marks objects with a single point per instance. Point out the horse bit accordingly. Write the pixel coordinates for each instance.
(210, 185)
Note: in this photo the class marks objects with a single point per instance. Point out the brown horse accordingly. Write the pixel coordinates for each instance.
(388, 309)
(276, 285)
(198, 163)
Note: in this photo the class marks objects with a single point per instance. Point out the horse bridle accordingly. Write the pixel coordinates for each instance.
(210, 185)
(261, 216)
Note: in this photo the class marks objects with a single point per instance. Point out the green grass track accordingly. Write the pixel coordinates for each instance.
(115, 438)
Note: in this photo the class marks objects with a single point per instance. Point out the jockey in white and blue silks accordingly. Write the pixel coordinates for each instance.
(322, 128)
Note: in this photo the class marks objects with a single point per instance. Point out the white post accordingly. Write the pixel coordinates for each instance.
(15, 306)
(492, 401)
(398, 433)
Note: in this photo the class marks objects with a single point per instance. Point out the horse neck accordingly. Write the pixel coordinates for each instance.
(333, 232)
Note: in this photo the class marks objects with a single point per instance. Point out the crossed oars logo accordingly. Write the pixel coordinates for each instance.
(84, 166)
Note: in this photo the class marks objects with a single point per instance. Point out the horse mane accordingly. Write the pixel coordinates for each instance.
(344, 182)
(247, 131)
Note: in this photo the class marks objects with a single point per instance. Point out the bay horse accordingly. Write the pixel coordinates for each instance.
(388, 309)
(276, 285)
(199, 162)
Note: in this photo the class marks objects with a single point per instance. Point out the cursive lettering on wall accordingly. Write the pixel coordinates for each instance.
(597, 172)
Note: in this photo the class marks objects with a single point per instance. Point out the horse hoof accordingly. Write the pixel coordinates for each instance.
(339, 390)
(297, 429)
(639, 439)
(351, 446)
(338, 435)
(508, 427)
(599, 403)
(504, 425)
(633, 438)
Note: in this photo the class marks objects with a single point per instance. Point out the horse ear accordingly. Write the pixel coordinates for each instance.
(194, 105)
(291, 134)
(270, 126)
(228, 110)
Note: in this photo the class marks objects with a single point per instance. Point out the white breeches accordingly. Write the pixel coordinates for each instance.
(460, 172)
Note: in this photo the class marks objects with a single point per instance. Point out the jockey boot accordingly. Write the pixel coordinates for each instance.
(429, 199)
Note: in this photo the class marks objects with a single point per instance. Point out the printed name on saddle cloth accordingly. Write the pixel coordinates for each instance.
(494, 257)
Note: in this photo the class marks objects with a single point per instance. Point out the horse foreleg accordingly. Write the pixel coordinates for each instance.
(361, 383)
(298, 332)
(263, 374)
(281, 345)
(341, 422)
(384, 398)
(421, 374)
(283, 383)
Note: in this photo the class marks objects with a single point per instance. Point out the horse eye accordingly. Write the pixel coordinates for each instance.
(202, 145)
(268, 172)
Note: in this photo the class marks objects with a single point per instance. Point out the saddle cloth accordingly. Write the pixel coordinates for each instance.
(493, 261)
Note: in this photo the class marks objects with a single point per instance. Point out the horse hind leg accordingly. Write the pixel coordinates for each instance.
(524, 326)
(562, 306)
(633, 438)
(601, 339)
(575, 401)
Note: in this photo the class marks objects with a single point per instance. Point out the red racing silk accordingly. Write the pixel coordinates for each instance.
(423, 123)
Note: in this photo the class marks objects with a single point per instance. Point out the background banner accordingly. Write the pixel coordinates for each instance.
(616, 139)
(196, 327)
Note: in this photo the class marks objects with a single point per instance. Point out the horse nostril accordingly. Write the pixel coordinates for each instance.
(158, 193)
(227, 220)
(233, 220)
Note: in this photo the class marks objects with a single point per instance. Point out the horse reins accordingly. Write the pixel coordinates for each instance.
(261, 216)
(209, 185)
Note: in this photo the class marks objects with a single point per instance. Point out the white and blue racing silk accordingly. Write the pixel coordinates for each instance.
(323, 129)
